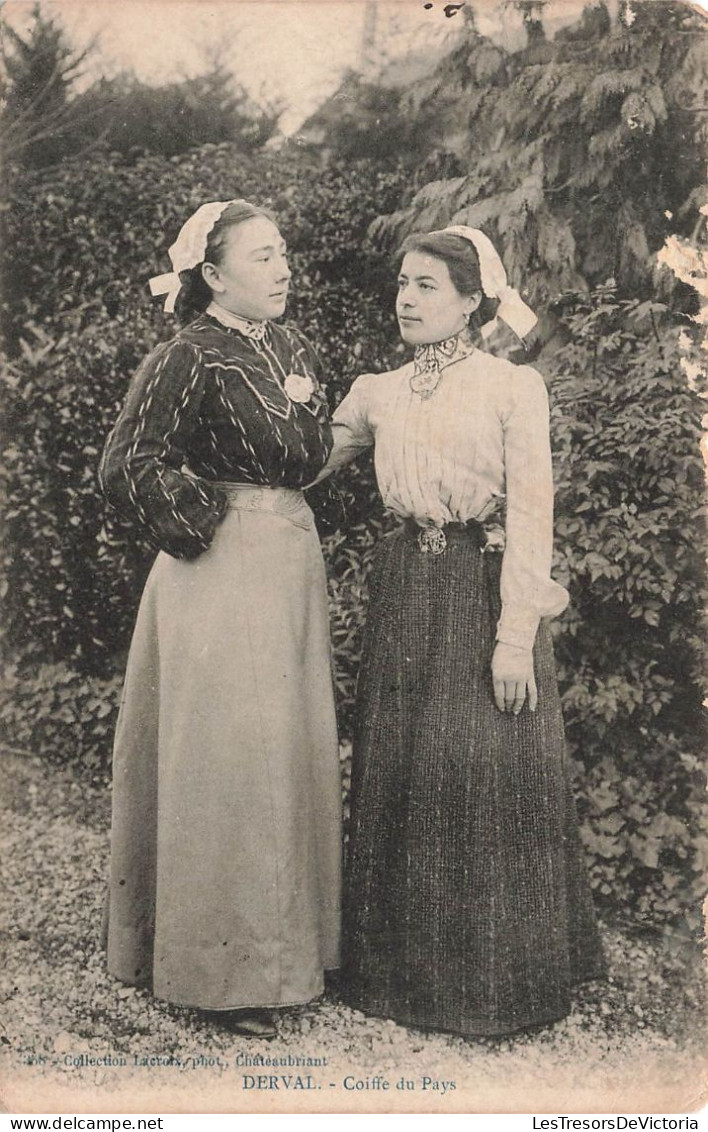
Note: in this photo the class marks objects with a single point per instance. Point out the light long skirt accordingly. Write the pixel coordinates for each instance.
(225, 855)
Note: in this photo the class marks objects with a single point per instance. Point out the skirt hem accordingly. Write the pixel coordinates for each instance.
(485, 1030)
(224, 1009)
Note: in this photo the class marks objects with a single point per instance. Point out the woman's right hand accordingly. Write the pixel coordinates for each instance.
(513, 678)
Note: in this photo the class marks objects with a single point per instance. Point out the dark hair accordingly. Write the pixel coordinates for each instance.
(461, 259)
(195, 294)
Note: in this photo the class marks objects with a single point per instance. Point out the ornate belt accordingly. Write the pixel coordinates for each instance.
(435, 540)
(432, 540)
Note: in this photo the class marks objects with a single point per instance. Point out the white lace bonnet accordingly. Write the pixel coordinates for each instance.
(512, 309)
(188, 249)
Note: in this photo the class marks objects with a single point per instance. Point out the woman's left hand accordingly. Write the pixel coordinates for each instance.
(513, 677)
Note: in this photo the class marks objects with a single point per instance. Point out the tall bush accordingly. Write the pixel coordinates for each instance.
(37, 75)
(629, 532)
(79, 319)
(578, 154)
(45, 120)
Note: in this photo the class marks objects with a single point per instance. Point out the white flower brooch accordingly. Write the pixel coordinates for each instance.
(299, 388)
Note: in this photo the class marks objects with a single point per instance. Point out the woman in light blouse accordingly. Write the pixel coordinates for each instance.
(467, 907)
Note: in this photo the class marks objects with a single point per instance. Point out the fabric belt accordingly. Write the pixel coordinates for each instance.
(286, 501)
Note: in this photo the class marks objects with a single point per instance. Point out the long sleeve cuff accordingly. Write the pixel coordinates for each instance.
(518, 627)
(518, 623)
(188, 529)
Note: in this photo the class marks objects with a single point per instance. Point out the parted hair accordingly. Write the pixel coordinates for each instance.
(462, 261)
(195, 293)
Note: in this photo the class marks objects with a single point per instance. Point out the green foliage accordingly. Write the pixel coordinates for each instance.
(644, 828)
(349, 556)
(574, 152)
(629, 527)
(127, 116)
(364, 120)
(61, 715)
(38, 71)
(68, 578)
(44, 120)
(80, 319)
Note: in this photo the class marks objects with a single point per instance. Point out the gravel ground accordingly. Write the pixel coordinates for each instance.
(73, 1039)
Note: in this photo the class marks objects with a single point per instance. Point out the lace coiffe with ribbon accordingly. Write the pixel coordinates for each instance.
(188, 249)
(512, 309)
(431, 358)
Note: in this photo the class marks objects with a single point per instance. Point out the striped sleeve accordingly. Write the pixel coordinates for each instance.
(142, 468)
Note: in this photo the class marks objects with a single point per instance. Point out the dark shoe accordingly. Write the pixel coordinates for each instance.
(254, 1023)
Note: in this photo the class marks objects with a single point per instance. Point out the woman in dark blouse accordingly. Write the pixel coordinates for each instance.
(225, 851)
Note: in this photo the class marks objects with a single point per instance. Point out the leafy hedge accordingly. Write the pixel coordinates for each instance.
(629, 531)
(79, 319)
(625, 426)
(64, 715)
(578, 154)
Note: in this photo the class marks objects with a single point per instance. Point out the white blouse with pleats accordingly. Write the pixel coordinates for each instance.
(449, 457)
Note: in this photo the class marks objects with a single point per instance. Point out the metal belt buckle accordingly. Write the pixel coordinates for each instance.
(431, 540)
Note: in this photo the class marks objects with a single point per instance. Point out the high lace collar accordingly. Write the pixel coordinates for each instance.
(432, 358)
(435, 356)
(246, 326)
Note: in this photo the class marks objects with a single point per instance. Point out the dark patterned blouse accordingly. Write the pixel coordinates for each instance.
(211, 405)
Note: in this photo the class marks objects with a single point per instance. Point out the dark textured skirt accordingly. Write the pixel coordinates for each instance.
(467, 906)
